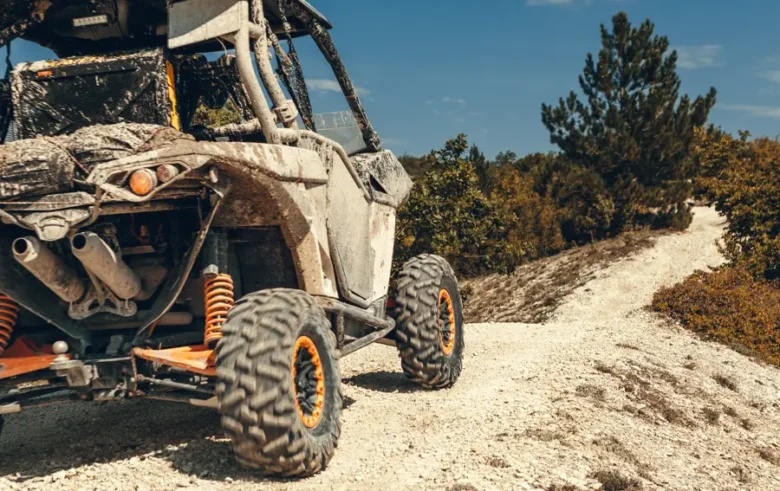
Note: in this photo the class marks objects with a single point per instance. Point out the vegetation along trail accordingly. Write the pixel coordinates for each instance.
(603, 391)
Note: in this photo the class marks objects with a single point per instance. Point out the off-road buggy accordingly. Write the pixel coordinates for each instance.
(230, 266)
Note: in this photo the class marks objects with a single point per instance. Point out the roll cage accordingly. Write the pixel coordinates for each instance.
(253, 28)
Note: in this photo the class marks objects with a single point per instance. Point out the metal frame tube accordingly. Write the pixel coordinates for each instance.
(258, 30)
(246, 72)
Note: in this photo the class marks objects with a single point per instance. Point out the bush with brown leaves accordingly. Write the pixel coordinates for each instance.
(730, 306)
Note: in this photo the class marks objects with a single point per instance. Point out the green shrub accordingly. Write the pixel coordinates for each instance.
(730, 306)
(449, 215)
(747, 192)
(533, 219)
(715, 151)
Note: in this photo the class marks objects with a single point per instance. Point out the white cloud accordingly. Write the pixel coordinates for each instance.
(536, 3)
(460, 120)
(773, 76)
(760, 111)
(326, 85)
(452, 100)
(428, 102)
(693, 57)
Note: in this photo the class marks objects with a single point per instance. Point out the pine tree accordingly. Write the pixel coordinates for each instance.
(484, 169)
(633, 128)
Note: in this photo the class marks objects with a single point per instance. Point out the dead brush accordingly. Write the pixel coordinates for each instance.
(497, 463)
(726, 381)
(742, 474)
(591, 391)
(544, 435)
(711, 416)
(627, 346)
(542, 291)
(770, 455)
(617, 448)
(612, 480)
(642, 391)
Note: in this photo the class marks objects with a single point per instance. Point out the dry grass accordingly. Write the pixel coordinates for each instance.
(462, 487)
(601, 367)
(711, 416)
(741, 474)
(544, 435)
(636, 382)
(627, 346)
(770, 455)
(591, 391)
(497, 462)
(563, 487)
(535, 290)
(612, 480)
(616, 447)
(725, 381)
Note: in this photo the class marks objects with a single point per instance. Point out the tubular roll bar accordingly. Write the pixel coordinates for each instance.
(253, 31)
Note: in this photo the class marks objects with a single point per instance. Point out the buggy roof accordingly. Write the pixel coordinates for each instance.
(274, 17)
(17, 15)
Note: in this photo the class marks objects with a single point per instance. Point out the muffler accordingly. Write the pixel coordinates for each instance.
(48, 268)
(99, 259)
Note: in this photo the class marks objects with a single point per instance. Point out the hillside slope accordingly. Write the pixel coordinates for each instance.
(603, 385)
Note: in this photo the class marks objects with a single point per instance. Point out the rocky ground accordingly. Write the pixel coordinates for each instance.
(603, 395)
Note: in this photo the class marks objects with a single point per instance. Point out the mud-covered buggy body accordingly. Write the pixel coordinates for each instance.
(230, 266)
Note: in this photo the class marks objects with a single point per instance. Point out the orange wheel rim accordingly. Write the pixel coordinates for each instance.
(446, 322)
(308, 379)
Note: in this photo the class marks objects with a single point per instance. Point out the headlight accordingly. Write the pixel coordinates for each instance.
(143, 182)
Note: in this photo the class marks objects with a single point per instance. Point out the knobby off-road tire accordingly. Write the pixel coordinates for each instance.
(271, 339)
(429, 317)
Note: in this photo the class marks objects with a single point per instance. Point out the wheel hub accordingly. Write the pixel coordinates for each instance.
(308, 382)
(446, 322)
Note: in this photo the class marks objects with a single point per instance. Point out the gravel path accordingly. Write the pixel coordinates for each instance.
(604, 385)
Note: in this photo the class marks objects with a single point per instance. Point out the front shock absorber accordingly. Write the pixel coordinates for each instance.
(9, 315)
(219, 289)
(220, 298)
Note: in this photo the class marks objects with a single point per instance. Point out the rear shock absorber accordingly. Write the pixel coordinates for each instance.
(219, 288)
(220, 298)
(9, 315)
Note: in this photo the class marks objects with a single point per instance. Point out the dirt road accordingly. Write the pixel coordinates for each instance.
(604, 385)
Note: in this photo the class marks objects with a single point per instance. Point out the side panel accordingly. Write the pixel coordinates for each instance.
(382, 244)
(349, 218)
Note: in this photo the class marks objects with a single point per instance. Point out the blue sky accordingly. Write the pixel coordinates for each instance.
(429, 69)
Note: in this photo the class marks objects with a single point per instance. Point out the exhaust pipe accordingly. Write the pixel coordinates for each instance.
(98, 258)
(48, 268)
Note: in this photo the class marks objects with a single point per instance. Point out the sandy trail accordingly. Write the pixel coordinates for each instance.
(603, 385)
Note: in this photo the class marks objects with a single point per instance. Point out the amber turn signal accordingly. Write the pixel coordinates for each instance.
(143, 182)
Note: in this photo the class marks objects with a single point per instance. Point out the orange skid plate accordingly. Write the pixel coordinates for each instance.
(24, 356)
(196, 359)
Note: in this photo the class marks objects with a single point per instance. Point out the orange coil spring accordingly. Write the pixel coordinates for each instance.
(9, 314)
(220, 299)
